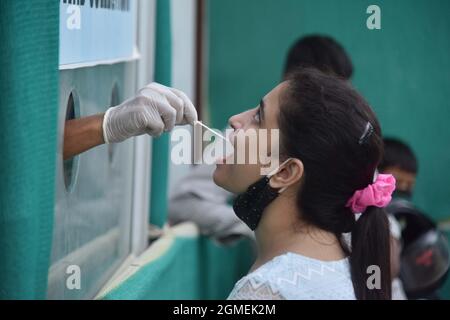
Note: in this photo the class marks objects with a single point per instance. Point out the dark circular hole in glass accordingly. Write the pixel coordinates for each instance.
(69, 165)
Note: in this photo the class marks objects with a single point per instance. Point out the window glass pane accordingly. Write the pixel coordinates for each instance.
(93, 190)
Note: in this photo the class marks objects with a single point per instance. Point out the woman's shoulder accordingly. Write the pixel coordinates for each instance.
(293, 276)
(255, 287)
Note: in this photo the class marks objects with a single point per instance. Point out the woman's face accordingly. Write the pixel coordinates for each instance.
(237, 177)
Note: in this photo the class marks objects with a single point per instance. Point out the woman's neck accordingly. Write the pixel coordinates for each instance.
(282, 230)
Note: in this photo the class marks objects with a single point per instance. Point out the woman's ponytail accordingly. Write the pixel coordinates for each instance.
(370, 256)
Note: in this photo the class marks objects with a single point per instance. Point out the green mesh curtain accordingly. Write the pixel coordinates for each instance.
(160, 152)
(28, 122)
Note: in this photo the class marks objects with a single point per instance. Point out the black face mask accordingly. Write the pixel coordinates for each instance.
(249, 206)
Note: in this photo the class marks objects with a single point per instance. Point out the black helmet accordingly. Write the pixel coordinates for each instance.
(425, 257)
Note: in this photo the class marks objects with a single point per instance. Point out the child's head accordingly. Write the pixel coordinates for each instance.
(400, 161)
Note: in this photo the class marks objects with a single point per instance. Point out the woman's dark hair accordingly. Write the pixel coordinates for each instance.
(320, 52)
(322, 120)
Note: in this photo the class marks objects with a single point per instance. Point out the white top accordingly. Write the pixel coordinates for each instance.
(292, 276)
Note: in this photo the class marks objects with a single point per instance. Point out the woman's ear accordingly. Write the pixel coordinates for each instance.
(288, 175)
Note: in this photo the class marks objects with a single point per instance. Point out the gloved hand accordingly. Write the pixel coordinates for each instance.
(156, 108)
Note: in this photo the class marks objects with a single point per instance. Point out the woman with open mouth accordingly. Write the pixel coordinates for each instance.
(326, 185)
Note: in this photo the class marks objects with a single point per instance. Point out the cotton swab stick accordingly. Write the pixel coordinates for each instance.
(208, 128)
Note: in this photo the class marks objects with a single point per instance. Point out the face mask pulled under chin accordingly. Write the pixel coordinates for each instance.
(249, 206)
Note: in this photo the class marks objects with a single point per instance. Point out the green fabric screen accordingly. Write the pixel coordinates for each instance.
(193, 268)
(160, 149)
(29, 32)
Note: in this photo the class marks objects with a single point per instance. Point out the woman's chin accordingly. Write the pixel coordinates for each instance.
(220, 176)
(217, 176)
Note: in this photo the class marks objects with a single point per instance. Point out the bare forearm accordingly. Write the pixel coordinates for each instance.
(82, 134)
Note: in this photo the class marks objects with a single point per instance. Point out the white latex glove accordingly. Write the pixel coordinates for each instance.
(155, 109)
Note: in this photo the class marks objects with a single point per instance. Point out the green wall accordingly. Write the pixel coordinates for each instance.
(160, 145)
(403, 69)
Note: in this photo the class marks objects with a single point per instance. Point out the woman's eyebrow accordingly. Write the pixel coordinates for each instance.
(261, 109)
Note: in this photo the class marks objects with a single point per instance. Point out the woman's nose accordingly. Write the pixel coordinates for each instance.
(239, 121)
(235, 122)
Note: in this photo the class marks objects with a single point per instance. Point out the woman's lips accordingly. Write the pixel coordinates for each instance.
(220, 161)
(229, 146)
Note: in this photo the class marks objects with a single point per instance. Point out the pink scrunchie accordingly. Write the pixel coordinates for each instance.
(378, 194)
